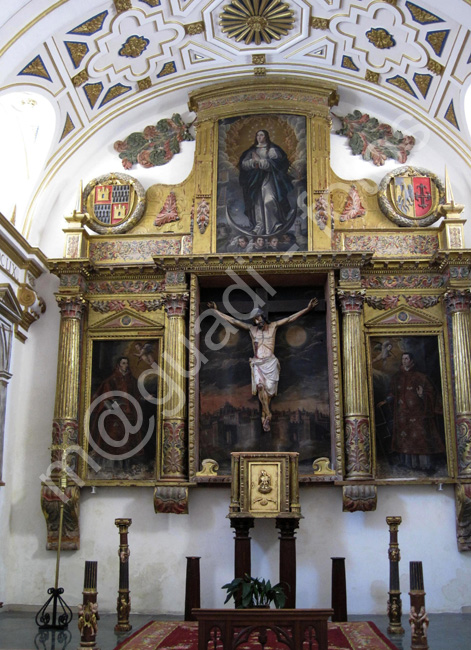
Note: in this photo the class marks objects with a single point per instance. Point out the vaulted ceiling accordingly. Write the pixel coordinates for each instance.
(103, 62)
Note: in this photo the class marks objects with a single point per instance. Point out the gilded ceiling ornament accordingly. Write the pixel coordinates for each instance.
(76, 51)
(194, 28)
(134, 46)
(421, 15)
(144, 84)
(380, 38)
(450, 116)
(90, 26)
(122, 5)
(259, 59)
(320, 23)
(435, 67)
(152, 3)
(93, 91)
(260, 72)
(402, 83)
(371, 76)
(36, 68)
(347, 62)
(437, 40)
(115, 91)
(169, 68)
(80, 78)
(423, 81)
(256, 20)
(68, 127)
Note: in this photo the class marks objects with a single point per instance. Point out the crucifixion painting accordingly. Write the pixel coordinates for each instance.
(264, 366)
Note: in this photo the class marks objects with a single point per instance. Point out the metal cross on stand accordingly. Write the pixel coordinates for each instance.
(61, 612)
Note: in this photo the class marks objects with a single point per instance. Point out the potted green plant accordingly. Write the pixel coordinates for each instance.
(255, 592)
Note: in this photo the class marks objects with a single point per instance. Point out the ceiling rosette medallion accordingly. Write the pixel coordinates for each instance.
(410, 196)
(254, 21)
(113, 203)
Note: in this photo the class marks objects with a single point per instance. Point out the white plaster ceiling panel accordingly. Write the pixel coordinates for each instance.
(185, 7)
(198, 57)
(38, 71)
(379, 37)
(319, 51)
(135, 47)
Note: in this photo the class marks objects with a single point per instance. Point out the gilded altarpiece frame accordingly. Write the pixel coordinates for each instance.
(294, 431)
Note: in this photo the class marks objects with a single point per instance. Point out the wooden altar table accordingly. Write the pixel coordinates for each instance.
(236, 625)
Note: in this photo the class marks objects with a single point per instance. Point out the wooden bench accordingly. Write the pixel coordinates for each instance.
(233, 627)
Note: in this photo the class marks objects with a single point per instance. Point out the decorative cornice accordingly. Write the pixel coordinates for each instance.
(274, 263)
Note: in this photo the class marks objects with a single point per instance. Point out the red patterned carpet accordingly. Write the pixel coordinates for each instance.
(171, 635)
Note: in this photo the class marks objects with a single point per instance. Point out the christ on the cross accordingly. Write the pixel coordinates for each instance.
(265, 367)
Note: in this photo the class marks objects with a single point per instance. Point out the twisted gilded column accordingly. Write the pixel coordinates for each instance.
(174, 451)
(458, 305)
(65, 428)
(355, 382)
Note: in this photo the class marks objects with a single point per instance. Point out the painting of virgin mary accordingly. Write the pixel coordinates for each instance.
(261, 181)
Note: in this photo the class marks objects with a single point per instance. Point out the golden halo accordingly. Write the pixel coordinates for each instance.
(241, 135)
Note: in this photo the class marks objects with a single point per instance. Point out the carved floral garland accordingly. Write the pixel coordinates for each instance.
(374, 141)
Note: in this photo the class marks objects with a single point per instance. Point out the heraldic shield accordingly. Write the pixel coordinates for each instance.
(114, 203)
(410, 196)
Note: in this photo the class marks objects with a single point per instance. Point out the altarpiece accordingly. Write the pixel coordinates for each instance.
(154, 389)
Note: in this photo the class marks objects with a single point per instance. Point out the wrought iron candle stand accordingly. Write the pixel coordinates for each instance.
(418, 618)
(88, 610)
(61, 612)
(394, 602)
(124, 599)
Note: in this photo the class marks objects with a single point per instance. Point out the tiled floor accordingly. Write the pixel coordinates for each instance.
(18, 631)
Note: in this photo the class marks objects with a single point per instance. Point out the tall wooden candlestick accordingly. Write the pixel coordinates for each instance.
(124, 599)
(88, 610)
(418, 617)
(394, 602)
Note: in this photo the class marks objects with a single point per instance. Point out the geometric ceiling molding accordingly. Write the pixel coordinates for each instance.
(151, 3)
(194, 55)
(319, 53)
(401, 83)
(76, 51)
(422, 16)
(90, 26)
(92, 92)
(68, 127)
(36, 68)
(450, 115)
(423, 81)
(115, 91)
(437, 40)
(360, 29)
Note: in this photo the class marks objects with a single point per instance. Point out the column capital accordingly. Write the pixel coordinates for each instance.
(175, 304)
(351, 301)
(457, 300)
(71, 306)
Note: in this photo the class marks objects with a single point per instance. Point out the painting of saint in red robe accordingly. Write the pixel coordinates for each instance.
(409, 415)
(122, 413)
